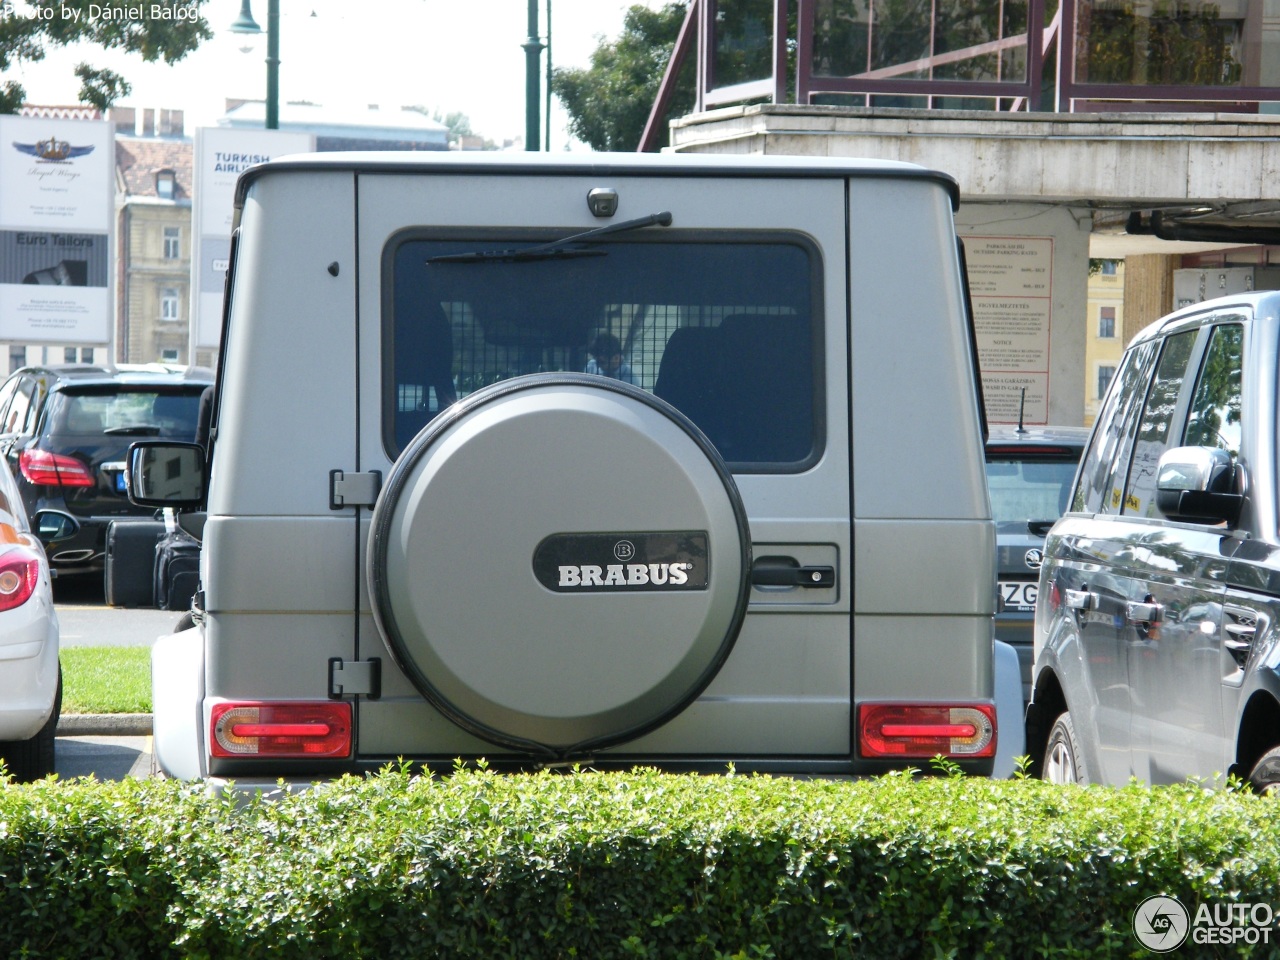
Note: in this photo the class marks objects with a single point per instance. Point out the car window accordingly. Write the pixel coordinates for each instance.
(1214, 419)
(1028, 488)
(6, 397)
(724, 329)
(20, 411)
(1101, 477)
(152, 413)
(1156, 429)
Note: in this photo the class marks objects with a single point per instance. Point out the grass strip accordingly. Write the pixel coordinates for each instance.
(106, 680)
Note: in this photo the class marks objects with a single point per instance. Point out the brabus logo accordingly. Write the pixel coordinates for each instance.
(624, 575)
(630, 563)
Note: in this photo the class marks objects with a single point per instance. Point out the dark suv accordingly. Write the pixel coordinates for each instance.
(1156, 627)
(1029, 474)
(65, 431)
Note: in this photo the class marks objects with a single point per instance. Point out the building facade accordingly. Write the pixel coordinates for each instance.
(153, 241)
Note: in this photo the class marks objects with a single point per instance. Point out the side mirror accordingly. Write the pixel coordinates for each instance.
(1198, 485)
(164, 474)
(52, 526)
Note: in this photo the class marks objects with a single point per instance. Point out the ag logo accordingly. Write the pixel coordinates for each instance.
(1161, 924)
(1034, 559)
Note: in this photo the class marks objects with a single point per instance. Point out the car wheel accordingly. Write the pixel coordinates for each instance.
(559, 563)
(1062, 762)
(33, 759)
(1265, 776)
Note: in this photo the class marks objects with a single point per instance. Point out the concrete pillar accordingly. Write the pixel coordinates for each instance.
(1148, 290)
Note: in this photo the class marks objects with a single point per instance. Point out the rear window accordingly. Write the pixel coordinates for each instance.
(724, 328)
(112, 411)
(1029, 487)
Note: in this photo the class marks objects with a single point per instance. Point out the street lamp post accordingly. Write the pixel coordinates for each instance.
(533, 55)
(245, 24)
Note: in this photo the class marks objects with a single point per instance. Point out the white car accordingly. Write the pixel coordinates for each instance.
(30, 677)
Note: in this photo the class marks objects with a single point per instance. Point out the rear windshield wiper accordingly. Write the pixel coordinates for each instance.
(556, 249)
(133, 430)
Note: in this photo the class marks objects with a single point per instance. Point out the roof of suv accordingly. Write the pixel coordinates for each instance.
(140, 374)
(1049, 436)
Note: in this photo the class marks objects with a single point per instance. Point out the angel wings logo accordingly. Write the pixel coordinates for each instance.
(52, 150)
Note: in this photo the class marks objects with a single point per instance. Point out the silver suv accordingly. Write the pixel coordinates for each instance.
(599, 459)
(1160, 590)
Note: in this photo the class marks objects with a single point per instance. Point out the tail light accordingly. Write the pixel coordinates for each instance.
(922, 730)
(304, 730)
(53, 469)
(19, 574)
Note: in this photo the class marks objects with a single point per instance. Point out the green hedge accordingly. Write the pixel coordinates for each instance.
(619, 865)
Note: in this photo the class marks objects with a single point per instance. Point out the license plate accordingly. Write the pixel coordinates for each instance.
(120, 488)
(1019, 594)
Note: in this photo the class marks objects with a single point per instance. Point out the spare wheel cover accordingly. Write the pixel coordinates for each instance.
(559, 563)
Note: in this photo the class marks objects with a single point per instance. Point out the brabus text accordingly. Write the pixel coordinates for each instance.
(623, 575)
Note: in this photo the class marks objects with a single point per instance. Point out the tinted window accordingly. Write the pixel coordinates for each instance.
(1025, 489)
(1102, 475)
(1155, 431)
(724, 330)
(151, 413)
(1214, 419)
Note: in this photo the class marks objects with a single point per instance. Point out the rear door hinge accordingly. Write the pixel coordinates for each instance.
(350, 678)
(353, 489)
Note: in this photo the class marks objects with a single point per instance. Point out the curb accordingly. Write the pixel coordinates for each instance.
(104, 725)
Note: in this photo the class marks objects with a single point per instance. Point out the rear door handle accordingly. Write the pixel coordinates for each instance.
(1078, 599)
(787, 572)
(1145, 612)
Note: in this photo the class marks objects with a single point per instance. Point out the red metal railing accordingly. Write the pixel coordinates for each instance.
(1045, 50)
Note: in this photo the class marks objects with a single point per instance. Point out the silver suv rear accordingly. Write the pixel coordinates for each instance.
(605, 459)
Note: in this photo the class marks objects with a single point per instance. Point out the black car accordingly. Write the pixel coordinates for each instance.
(65, 431)
(1029, 475)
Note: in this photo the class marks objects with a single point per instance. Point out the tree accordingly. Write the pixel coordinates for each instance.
(609, 102)
(28, 29)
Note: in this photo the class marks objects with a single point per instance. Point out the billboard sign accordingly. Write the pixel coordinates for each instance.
(57, 196)
(222, 154)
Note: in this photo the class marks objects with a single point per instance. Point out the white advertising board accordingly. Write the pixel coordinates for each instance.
(1011, 284)
(57, 194)
(221, 155)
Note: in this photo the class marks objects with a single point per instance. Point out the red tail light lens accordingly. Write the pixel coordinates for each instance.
(53, 470)
(19, 574)
(922, 730)
(299, 729)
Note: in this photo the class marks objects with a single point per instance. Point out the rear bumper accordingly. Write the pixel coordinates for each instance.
(28, 669)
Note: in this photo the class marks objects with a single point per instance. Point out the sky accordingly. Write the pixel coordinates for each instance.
(448, 55)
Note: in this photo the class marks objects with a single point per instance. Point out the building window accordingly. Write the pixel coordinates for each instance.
(86, 354)
(1108, 268)
(69, 355)
(169, 356)
(169, 304)
(1106, 323)
(1105, 374)
(165, 184)
(172, 243)
(17, 358)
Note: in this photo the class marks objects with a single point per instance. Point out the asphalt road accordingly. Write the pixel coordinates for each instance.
(85, 620)
(105, 758)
